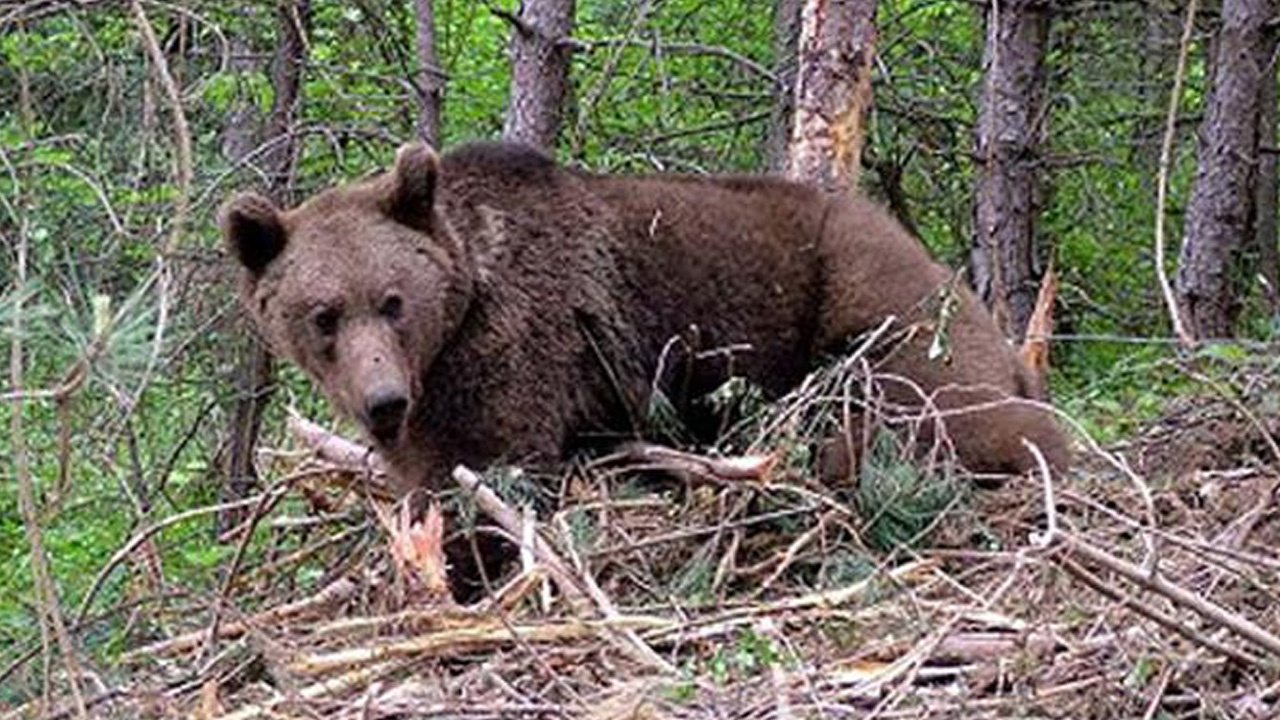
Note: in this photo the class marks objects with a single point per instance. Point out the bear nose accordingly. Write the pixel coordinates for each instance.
(386, 409)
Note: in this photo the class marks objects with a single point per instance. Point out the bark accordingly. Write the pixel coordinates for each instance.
(833, 91)
(255, 371)
(280, 160)
(539, 72)
(240, 135)
(786, 41)
(430, 81)
(890, 174)
(1265, 200)
(1012, 123)
(1220, 211)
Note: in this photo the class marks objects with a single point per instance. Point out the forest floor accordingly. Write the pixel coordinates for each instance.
(662, 584)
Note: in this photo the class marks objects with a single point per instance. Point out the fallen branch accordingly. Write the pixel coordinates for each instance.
(339, 591)
(1153, 582)
(339, 450)
(741, 468)
(335, 448)
(986, 646)
(485, 633)
(1162, 619)
(822, 601)
(338, 686)
(344, 453)
(514, 523)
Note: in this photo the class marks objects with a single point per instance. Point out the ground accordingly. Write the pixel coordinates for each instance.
(691, 584)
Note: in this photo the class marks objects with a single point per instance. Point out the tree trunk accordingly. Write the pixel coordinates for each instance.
(240, 135)
(430, 80)
(1265, 201)
(286, 82)
(786, 41)
(255, 371)
(1220, 211)
(539, 72)
(833, 91)
(1161, 28)
(1012, 122)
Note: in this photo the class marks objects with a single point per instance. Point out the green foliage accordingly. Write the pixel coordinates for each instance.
(661, 418)
(899, 497)
(1124, 388)
(749, 654)
(583, 530)
(693, 582)
(223, 90)
(845, 567)
(638, 107)
(737, 397)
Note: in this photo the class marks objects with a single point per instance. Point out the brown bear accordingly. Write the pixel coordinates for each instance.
(491, 305)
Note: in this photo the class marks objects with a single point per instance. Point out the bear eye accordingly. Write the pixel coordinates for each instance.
(392, 307)
(326, 321)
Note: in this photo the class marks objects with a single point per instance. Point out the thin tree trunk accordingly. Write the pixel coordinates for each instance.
(833, 91)
(286, 81)
(1265, 231)
(47, 605)
(430, 80)
(244, 121)
(786, 41)
(255, 371)
(539, 72)
(1012, 122)
(1220, 211)
(1159, 46)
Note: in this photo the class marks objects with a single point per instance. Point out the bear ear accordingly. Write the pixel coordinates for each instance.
(413, 186)
(252, 230)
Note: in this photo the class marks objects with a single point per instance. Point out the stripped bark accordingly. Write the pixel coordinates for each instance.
(1012, 123)
(833, 91)
(429, 83)
(540, 54)
(1220, 211)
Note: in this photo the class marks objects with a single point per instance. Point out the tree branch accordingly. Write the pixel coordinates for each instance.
(1162, 186)
(688, 48)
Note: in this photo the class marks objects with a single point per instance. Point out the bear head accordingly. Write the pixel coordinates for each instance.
(361, 286)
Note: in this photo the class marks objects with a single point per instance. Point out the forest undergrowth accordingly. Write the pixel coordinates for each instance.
(742, 581)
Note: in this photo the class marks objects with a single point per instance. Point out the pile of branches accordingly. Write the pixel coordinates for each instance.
(729, 583)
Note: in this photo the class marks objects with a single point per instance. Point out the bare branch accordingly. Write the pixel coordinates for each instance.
(1162, 184)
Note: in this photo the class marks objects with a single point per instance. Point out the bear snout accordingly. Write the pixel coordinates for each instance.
(385, 409)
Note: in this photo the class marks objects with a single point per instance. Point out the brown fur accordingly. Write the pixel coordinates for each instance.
(517, 305)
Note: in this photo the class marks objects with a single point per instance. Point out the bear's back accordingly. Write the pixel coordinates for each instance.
(499, 162)
(725, 262)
